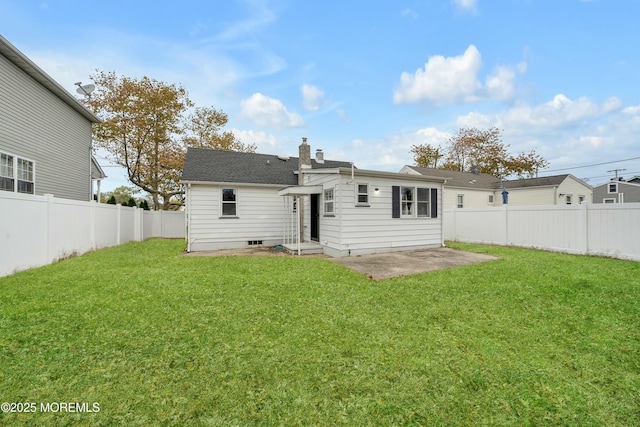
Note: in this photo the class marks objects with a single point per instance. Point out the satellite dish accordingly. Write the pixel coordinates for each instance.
(86, 89)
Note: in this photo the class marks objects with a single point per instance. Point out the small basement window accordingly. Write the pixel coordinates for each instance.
(254, 242)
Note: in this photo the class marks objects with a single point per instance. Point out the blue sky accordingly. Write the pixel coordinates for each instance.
(366, 80)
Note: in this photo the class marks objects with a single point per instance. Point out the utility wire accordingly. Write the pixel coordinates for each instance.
(589, 166)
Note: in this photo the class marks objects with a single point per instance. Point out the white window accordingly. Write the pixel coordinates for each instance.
(460, 201)
(567, 199)
(581, 199)
(612, 187)
(406, 202)
(490, 201)
(229, 202)
(423, 203)
(363, 195)
(6, 172)
(328, 202)
(25, 176)
(414, 202)
(609, 200)
(16, 174)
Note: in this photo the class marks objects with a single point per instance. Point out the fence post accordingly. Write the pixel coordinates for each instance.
(92, 224)
(49, 228)
(118, 224)
(584, 213)
(506, 224)
(137, 223)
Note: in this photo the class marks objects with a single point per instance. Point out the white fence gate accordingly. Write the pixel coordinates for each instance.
(593, 229)
(38, 230)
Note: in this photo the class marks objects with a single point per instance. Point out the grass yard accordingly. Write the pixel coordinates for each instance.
(156, 338)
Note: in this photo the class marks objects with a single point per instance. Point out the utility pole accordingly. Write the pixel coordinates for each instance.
(616, 171)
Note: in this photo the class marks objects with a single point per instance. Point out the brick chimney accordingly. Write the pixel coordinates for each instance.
(304, 159)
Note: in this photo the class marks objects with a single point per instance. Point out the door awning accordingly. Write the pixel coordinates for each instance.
(300, 190)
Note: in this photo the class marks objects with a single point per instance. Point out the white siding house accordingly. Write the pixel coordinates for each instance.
(362, 219)
(45, 133)
(257, 218)
(237, 200)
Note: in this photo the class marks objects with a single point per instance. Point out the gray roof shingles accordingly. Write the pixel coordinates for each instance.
(486, 181)
(461, 179)
(206, 165)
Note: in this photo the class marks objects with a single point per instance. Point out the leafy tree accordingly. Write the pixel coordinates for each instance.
(111, 200)
(121, 195)
(132, 202)
(144, 205)
(203, 129)
(425, 155)
(146, 127)
(483, 149)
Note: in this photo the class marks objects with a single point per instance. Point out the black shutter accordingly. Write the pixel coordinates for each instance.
(395, 201)
(434, 203)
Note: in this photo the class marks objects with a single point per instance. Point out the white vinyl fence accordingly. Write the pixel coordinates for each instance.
(594, 229)
(38, 230)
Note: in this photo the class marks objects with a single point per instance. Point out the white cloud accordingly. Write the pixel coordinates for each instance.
(567, 132)
(267, 111)
(311, 97)
(443, 80)
(560, 112)
(266, 143)
(559, 116)
(431, 136)
(469, 6)
(612, 104)
(499, 85)
(455, 80)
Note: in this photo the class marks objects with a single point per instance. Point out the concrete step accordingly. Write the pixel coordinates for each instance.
(306, 248)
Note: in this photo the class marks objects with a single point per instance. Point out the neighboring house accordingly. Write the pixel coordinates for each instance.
(617, 192)
(549, 190)
(633, 180)
(463, 189)
(236, 200)
(45, 133)
(479, 190)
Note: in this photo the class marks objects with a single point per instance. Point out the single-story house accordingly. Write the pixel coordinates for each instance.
(479, 190)
(45, 133)
(617, 192)
(237, 200)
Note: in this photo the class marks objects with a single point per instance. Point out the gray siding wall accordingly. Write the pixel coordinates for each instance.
(630, 192)
(38, 126)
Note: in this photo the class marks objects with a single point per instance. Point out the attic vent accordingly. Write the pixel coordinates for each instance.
(283, 157)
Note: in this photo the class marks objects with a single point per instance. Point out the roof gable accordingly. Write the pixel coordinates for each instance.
(207, 165)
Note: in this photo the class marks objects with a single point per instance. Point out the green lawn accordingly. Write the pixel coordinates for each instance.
(156, 338)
